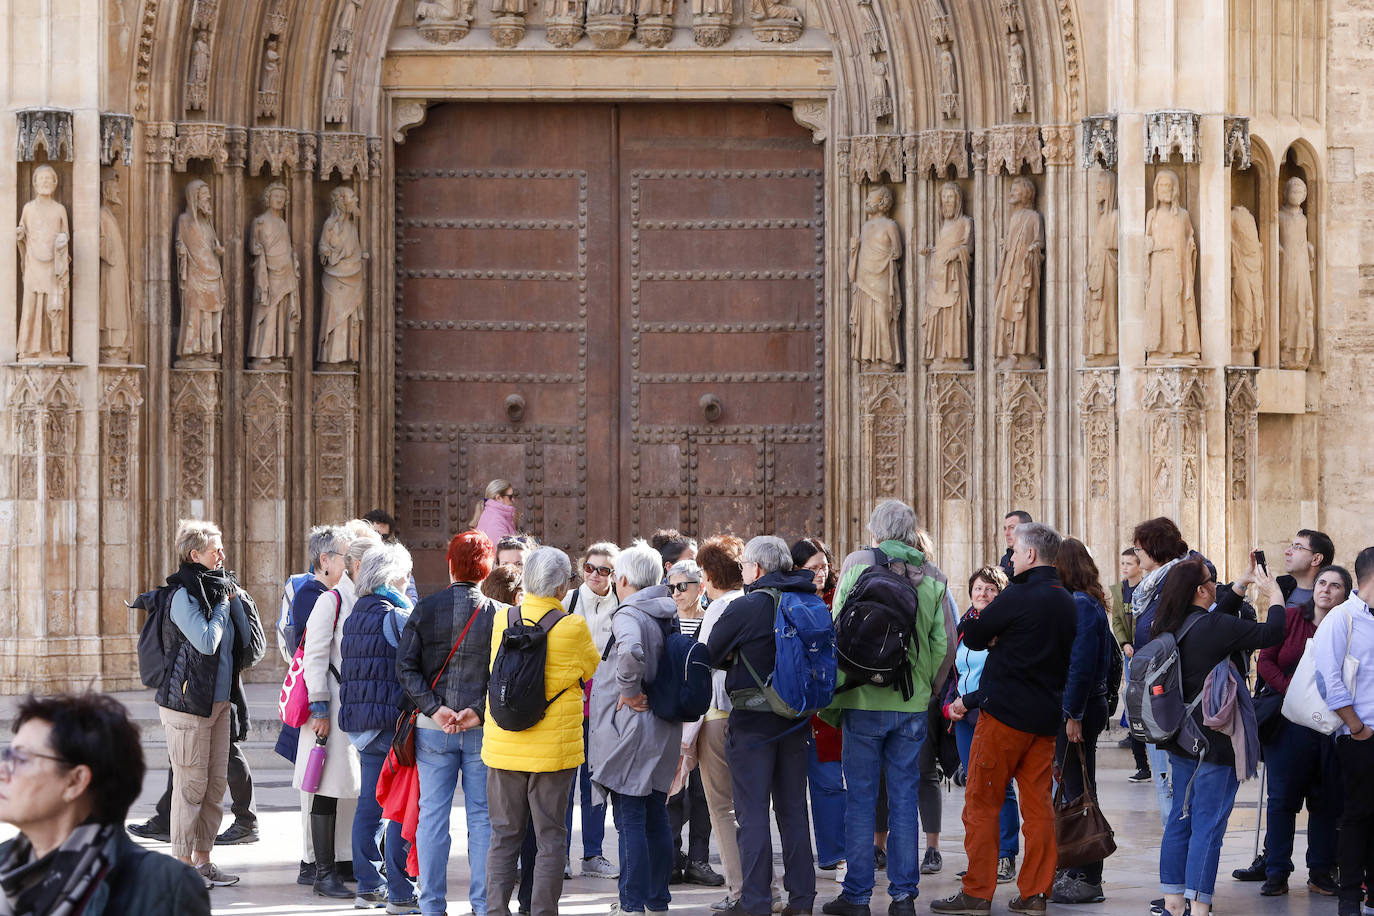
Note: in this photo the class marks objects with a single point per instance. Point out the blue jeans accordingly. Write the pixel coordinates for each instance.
(1301, 765)
(1163, 780)
(441, 758)
(882, 742)
(593, 816)
(367, 826)
(826, 782)
(1009, 817)
(1191, 848)
(646, 850)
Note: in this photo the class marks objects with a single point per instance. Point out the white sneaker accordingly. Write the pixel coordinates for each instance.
(599, 867)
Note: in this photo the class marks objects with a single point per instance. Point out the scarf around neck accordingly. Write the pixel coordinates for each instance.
(60, 883)
(1149, 586)
(210, 587)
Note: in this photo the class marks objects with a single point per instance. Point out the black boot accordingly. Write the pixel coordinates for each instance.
(327, 883)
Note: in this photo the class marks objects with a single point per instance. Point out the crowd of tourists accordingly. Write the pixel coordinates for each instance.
(702, 692)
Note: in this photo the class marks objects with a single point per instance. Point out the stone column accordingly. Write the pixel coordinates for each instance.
(121, 520)
(1242, 464)
(159, 215)
(1062, 299)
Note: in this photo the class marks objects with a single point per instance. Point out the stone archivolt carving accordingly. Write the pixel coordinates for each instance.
(775, 21)
(336, 97)
(1068, 31)
(198, 72)
(949, 85)
(1171, 314)
(1237, 142)
(940, 31)
(116, 316)
(1018, 85)
(345, 152)
(1058, 146)
(269, 83)
(1012, 16)
(1023, 400)
(44, 239)
(342, 39)
(655, 28)
(949, 300)
(276, 283)
(1099, 142)
(876, 155)
(203, 14)
(199, 140)
(1099, 326)
(278, 148)
(938, 151)
(1012, 147)
(116, 138)
(1097, 406)
(1242, 429)
(49, 128)
(143, 55)
(1247, 287)
(1017, 303)
(884, 429)
(1166, 131)
(201, 280)
(711, 22)
(874, 273)
(1297, 260)
(341, 254)
(276, 18)
(508, 23)
(951, 398)
(374, 156)
(120, 400)
(266, 427)
(881, 102)
(443, 21)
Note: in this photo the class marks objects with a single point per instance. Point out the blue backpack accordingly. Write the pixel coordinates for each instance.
(681, 688)
(803, 678)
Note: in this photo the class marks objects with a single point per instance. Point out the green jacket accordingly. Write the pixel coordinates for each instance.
(1123, 621)
(932, 652)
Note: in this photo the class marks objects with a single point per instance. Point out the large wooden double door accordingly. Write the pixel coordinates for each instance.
(619, 309)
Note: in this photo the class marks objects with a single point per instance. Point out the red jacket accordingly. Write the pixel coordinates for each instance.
(1276, 663)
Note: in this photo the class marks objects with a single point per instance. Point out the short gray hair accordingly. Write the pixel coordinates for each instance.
(893, 520)
(605, 548)
(381, 565)
(688, 568)
(322, 538)
(547, 572)
(193, 534)
(640, 565)
(1041, 538)
(770, 553)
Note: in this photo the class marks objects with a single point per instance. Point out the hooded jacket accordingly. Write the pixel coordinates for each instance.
(629, 752)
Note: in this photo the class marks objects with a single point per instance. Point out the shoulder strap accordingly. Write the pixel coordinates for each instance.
(550, 618)
(572, 603)
(477, 609)
(1187, 625)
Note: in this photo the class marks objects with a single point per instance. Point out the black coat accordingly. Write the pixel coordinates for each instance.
(434, 626)
(190, 682)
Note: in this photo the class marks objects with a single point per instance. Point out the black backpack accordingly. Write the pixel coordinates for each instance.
(152, 655)
(875, 628)
(515, 691)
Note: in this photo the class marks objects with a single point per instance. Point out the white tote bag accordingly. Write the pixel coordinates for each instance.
(1303, 703)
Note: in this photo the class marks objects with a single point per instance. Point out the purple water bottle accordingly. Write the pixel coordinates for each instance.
(314, 767)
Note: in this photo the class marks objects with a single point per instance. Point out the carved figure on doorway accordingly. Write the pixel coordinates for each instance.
(276, 282)
(271, 68)
(655, 8)
(948, 302)
(200, 278)
(712, 7)
(1297, 258)
(337, 79)
(443, 11)
(43, 235)
(509, 7)
(1171, 316)
(198, 72)
(1099, 328)
(764, 10)
(874, 274)
(1016, 74)
(116, 318)
(949, 85)
(882, 91)
(1247, 287)
(1017, 304)
(341, 254)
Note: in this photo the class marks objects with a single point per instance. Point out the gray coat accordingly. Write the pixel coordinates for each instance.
(632, 753)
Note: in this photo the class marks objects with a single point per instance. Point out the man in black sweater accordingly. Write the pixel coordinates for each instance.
(1028, 630)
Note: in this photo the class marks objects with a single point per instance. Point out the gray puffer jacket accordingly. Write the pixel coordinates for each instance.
(633, 753)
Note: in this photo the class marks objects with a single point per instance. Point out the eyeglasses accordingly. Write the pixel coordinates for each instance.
(1300, 547)
(824, 567)
(11, 760)
(589, 569)
(681, 587)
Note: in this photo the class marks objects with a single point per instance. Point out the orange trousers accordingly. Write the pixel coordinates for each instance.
(999, 754)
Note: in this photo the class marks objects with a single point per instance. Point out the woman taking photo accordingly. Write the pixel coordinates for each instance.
(1205, 787)
(1085, 702)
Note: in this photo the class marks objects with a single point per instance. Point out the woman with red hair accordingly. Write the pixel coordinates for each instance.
(442, 663)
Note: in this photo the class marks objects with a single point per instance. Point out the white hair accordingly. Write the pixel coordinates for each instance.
(687, 568)
(547, 572)
(893, 520)
(322, 541)
(770, 553)
(640, 565)
(605, 548)
(381, 565)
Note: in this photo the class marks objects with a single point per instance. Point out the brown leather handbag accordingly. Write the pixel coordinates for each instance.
(1081, 830)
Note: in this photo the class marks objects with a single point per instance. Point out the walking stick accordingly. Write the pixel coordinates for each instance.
(1259, 812)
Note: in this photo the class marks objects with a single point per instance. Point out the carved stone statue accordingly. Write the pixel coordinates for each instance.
(763, 10)
(198, 72)
(271, 68)
(1017, 303)
(1297, 259)
(948, 302)
(337, 87)
(443, 11)
(1016, 74)
(711, 7)
(949, 85)
(45, 261)
(276, 282)
(116, 318)
(1099, 326)
(873, 271)
(1171, 316)
(1247, 287)
(881, 101)
(201, 279)
(508, 7)
(341, 253)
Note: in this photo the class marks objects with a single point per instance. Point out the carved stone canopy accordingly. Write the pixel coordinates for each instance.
(345, 152)
(50, 128)
(1099, 141)
(1166, 131)
(1012, 147)
(938, 151)
(873, 155)
(200, 140)
(1237, 133)
(116, 138)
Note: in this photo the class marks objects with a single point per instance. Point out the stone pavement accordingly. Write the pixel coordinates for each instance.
(269, 867)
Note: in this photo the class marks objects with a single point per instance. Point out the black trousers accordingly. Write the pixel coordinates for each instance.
(689, 806)
(240, 791)
(1355, 842)
(1094, 721)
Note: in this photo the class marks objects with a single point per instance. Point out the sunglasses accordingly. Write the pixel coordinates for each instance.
(681, 587)
(599, 570)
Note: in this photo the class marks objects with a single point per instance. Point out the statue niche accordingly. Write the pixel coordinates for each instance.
(44, 237)
(276, 284)
(1099, 327)
(1171, 317)
(1017, 304)
(949, 304)
(341, 255)
(201, 281)
(1297, 259)
(116, 318)
(875, 277)
(1247, 287)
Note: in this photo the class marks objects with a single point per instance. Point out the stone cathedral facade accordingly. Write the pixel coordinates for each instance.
(740, 265)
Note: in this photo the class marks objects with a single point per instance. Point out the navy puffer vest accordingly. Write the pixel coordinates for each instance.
(369, 693)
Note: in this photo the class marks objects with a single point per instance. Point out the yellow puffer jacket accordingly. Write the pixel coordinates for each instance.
(555, 743)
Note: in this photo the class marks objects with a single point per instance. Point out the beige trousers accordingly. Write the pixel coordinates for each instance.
(720, 797)
(199, 751)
